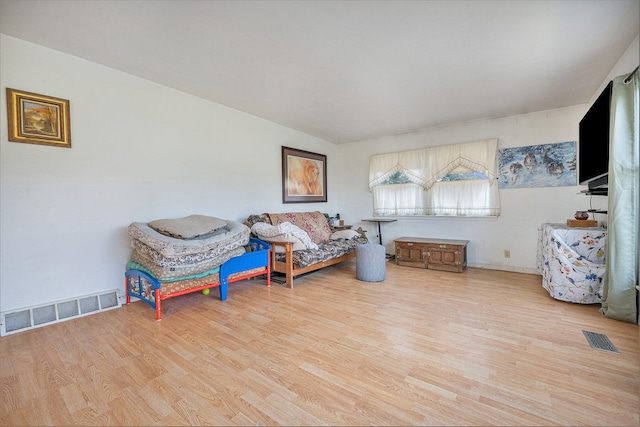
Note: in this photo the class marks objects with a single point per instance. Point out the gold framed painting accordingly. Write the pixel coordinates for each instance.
(38, 119)
(304, 176)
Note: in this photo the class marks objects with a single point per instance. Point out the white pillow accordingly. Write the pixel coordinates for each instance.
(344, 234)
(297, 243)
(285, 231)
(189, 227)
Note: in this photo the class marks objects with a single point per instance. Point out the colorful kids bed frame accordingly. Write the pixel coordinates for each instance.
(142, 285)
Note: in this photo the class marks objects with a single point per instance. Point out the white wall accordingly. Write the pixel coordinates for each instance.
(139, 152)
(523, 210)
(142, 151)
(625, 65)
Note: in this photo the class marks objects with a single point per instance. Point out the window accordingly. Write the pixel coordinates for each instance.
(455, 180)
(396, 178)
(463, 176)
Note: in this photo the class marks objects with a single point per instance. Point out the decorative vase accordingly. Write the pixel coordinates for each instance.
(582, 215)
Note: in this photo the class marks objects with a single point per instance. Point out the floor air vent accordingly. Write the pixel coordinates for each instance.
(600, 342)
(46, 314)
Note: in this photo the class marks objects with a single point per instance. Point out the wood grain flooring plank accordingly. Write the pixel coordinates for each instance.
(423, 347)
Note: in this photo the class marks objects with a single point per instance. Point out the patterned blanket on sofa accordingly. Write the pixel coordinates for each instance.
(316, 222)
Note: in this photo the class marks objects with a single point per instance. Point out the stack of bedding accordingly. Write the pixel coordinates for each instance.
(187, 252)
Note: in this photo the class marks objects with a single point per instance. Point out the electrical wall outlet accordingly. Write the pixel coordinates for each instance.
(507, 253)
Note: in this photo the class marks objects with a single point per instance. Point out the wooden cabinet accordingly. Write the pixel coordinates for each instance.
(435, 254)
(411, 253)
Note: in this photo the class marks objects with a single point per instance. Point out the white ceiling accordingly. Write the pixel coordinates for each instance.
(348, 70)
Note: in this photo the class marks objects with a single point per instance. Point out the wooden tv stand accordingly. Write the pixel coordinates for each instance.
(435, 254)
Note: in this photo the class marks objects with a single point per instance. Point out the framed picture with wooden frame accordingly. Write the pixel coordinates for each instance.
(38, 119)
(304, 176)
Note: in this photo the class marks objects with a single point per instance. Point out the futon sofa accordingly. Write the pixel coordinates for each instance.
(304, 241)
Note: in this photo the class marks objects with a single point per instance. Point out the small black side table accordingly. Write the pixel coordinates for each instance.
(379, 220)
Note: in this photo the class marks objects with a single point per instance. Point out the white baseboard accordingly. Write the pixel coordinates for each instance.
(502, 267)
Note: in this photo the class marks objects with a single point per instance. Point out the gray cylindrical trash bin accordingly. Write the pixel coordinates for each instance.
(371, 261)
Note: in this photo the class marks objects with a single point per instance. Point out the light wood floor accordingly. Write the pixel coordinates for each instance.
(421, 348)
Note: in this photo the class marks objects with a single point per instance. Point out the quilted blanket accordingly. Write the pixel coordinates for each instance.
(314, 223)
(326, 251)
(233, 235)
(147, 264)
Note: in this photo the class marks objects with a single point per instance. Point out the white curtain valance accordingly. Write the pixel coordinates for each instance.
(410, 163)
(479, 156)
(426, 166)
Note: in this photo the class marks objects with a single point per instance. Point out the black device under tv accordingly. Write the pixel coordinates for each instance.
(593, 144)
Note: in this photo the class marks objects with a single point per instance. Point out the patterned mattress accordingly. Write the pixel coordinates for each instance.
(165, 248)
(326, 251)
(141, 261)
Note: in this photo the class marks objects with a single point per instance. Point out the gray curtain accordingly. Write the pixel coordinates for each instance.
(619, 300)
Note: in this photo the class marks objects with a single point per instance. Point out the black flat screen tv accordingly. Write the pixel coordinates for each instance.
(593, 144)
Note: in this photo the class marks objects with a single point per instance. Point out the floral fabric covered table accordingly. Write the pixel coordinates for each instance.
(572, 262)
